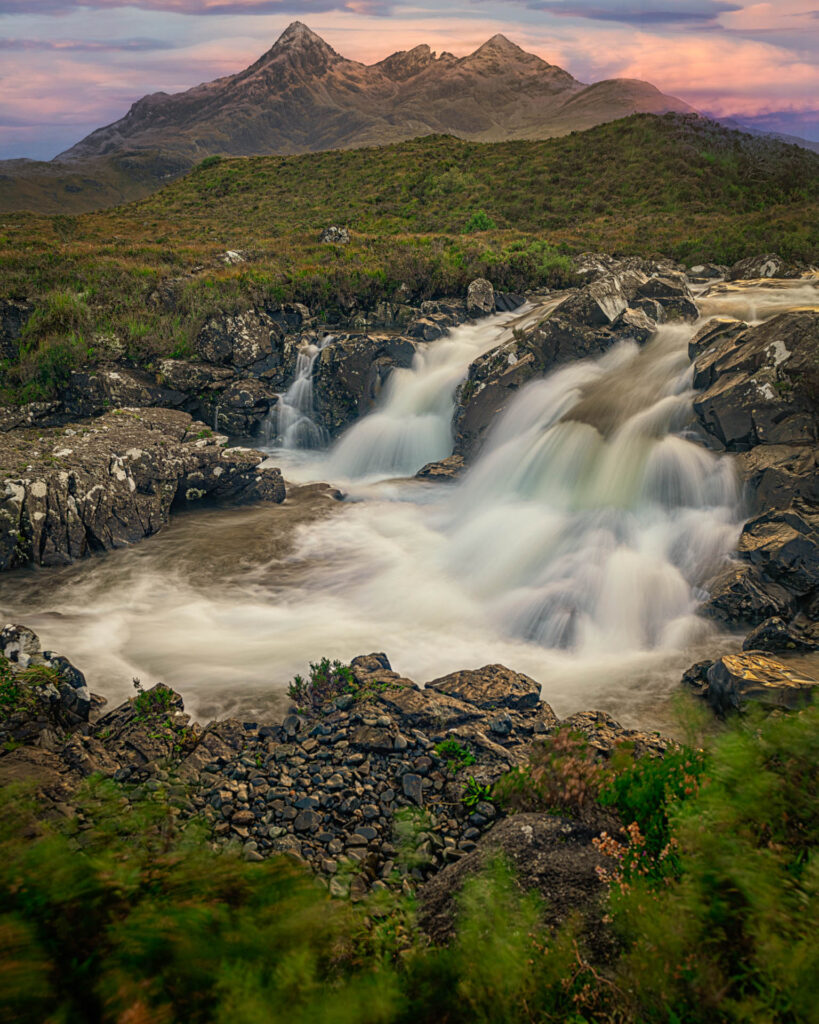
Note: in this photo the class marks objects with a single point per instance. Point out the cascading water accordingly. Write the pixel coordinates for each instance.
(576, 549)
(413, 423)
(291, 422)
(589, 524)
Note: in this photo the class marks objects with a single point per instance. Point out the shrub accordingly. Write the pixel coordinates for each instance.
(455, 754)
(562, 776)
(479, 221)
(327, 681)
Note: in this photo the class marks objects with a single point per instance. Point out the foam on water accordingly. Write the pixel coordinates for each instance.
(575, 549)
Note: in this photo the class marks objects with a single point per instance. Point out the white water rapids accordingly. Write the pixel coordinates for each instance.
(575, 549)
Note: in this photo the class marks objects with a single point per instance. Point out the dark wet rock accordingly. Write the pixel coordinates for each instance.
(446, 469)
(761, 384)
(775, 634)
(715, 330)
(335, 235)
(14, 315)
(784, 546)
(104, 483)
(251, 340)
(507, 302)
(493, 686)
(769, 265)
(93, 392)
(480, 298)
(741, 596)
(550, 855)
(350, 374)
(707, 272)
(48, 706)
(736, 680)
(777, 474)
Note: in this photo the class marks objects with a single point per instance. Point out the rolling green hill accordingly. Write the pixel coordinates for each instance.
(429, 214)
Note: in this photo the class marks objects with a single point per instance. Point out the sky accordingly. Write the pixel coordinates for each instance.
(69, 66)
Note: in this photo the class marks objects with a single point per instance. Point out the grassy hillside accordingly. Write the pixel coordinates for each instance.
(430, 214)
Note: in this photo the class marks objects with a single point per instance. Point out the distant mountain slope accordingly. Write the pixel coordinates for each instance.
(302, 96)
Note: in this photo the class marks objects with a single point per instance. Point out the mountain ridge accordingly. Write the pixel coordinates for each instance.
(302, 96)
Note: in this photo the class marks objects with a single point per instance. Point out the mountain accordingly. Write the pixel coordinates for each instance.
(302, 96)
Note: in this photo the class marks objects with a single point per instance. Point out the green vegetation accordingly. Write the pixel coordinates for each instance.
(119, 915)
(140, 280)
(455, 754)
(328, 680)
(18, 691)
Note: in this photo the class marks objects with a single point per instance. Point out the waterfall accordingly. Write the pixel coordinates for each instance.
(412, 424)
(291, 422)
(590, 521)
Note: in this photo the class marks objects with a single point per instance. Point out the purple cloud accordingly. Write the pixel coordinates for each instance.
(199, 7)
(78, 46)
(650, 13)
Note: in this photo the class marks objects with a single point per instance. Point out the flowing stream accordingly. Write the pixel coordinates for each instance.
(575, 549)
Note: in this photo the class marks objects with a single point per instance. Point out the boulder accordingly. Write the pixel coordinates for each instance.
(775, 634)
(251, 341)
(770, 265)
(761, 384)
(335, 235)
(480, 298)
(183, 375)
(550, 855)
(777, 474)
(108, 482)
(707, 272)
(736, 680)
(92, 392)
(741, 596)
(493, 686)
(784, 546)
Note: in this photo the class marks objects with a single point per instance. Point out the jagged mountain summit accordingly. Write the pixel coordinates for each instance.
(302, 96)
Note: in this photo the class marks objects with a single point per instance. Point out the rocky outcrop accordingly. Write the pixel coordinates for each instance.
(350, 374)
(338, 783)
(625, 299)
(335, 235)
(736, 680)
(759, 386)
(769, 265)
(103, 483)
(759, 400)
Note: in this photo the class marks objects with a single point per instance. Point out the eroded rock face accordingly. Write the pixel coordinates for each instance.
(350, 374)
(736, 680)
(775, 634)
(625, 299)
(493, 686)
(104, 483)
(250, 340)
(759, 400)
(760, 385)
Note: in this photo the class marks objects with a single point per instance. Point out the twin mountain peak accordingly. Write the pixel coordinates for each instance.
(302, 96)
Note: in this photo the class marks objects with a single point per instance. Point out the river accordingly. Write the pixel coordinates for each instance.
(575, 549)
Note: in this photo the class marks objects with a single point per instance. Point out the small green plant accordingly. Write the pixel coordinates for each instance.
(207, 432)
(474, 793)
(455, 754)
(153, 703)
(328, 680)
